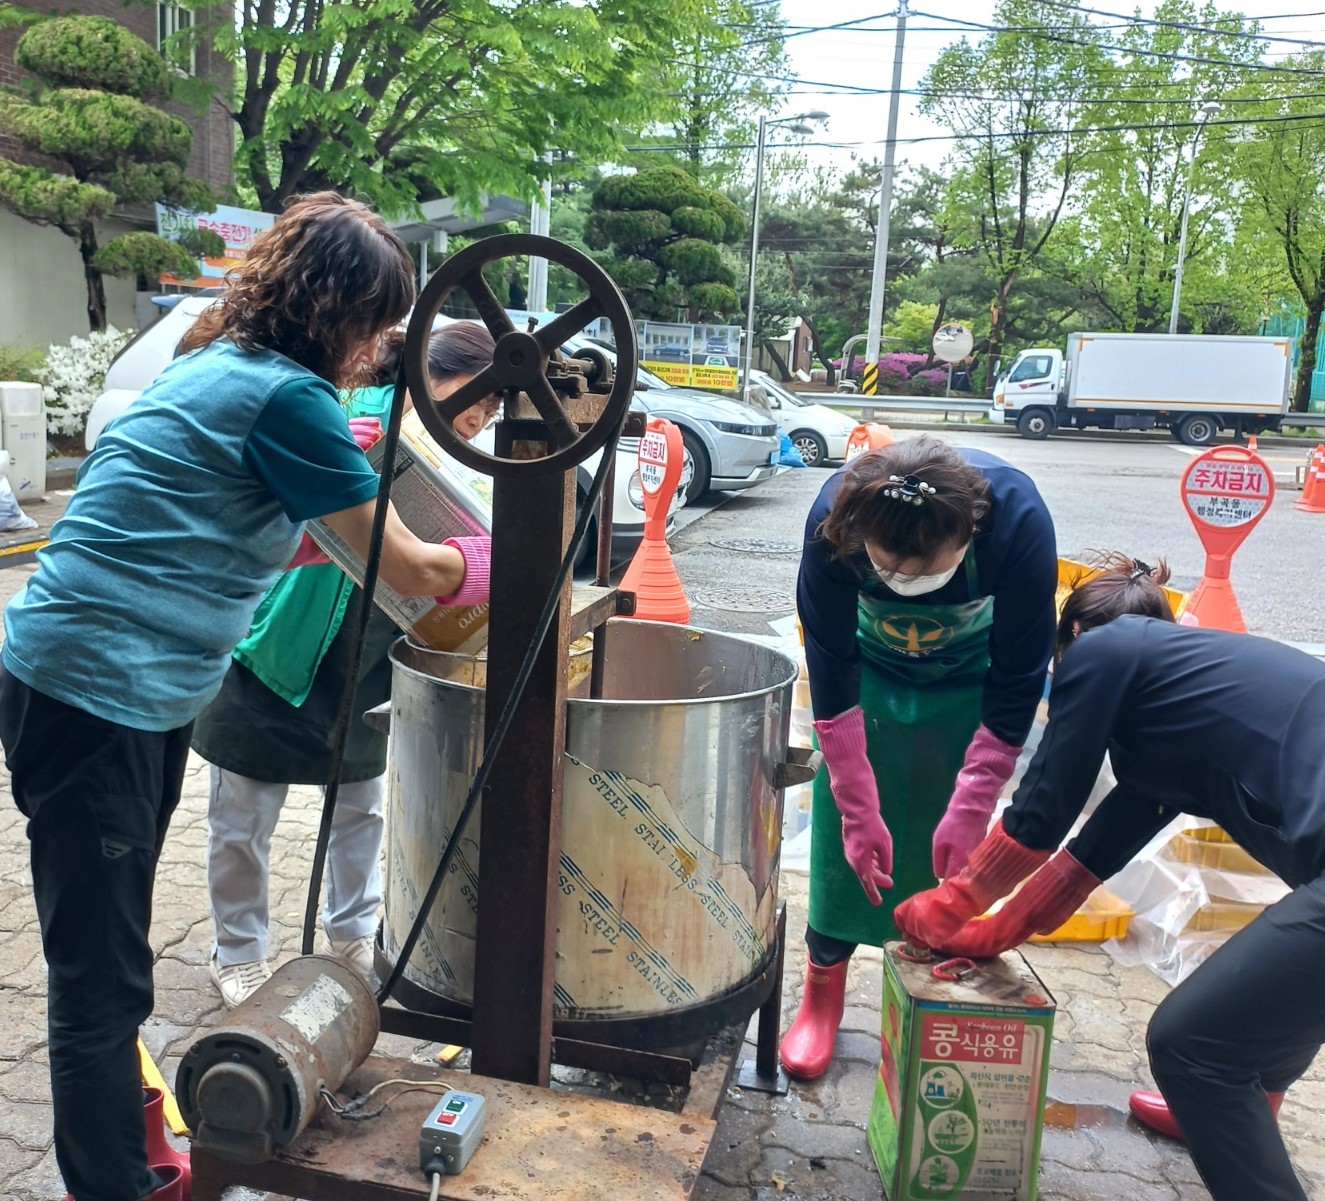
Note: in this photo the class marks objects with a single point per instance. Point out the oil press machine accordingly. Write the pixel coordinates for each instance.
(670, 767)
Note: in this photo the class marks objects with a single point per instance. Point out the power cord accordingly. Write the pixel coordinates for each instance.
(354, 1111)
(341, 736)
(436, 1186)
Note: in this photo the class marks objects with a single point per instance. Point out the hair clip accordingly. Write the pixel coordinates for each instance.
(909, 489)
(1139, 569)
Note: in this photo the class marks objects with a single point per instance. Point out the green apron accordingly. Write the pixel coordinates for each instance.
(921, 678)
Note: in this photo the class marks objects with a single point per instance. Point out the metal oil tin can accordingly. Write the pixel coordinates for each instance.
(959, 1105)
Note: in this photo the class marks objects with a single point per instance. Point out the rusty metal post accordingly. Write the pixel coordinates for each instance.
(521, 823)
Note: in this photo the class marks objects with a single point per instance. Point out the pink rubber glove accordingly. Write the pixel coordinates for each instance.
(366, 431)
(307, 554)
(988, 766)
(865, 839)
(473, 590)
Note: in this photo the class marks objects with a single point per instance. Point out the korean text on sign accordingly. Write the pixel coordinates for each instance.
(956, 1039)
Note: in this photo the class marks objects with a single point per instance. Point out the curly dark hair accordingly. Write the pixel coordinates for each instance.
(863, 512)
(328, 277)
(1123, 585)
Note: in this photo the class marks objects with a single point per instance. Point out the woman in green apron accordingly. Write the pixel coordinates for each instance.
(926, 596)
(272, 723)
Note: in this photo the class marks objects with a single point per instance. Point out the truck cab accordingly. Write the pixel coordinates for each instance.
(1028, 392)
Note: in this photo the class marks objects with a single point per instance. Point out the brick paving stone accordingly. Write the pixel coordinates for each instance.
(807, 1140)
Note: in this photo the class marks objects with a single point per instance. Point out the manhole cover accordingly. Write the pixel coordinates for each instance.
(736, 600)
(758, 546)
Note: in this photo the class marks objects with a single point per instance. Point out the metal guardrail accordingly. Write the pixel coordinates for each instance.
(865, 406)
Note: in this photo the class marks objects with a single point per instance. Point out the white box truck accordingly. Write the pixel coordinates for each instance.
(1193, 385)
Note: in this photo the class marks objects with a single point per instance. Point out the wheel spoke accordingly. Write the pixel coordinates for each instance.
(561, 431)
(483, 385)
(489, 307)
(566, 324)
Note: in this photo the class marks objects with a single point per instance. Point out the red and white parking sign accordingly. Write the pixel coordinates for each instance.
(652, 460)
(1226, 491)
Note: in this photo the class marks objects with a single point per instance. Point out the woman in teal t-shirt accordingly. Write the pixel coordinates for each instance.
(273, 723)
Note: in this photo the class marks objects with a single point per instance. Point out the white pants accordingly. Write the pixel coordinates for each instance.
(241, 816)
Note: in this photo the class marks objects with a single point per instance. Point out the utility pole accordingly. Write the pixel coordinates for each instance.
(1208, 110)
(540, 222)
(749, 348)
(869, 380)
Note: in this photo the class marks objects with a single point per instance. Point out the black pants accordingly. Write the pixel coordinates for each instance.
(825, 950)
(98, 798)
(1248, 1021)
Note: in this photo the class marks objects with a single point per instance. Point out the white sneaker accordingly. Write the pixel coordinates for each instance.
(357, 952)
(237, 982)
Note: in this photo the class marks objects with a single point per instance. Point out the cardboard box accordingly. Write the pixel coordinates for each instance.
(437, 498)
(959, 1106)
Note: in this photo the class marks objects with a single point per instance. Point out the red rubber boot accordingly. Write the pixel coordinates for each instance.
(172, 1179)
(1150, 1109)
(159, 1149)
(807, 1046)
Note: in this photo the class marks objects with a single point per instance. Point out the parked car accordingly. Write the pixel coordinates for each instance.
(728, 445)
(819, 433)
(151, 351)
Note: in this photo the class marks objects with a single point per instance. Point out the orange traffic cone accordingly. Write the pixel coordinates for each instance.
(652, 575)
(868, 436)
(1251, 444)
(1213, 606)
(1312, 499)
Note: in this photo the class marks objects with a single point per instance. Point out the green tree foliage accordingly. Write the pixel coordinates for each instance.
(1016, 99)
(396, 99)
(720, 76)
(659, 233)
(92, 112)
(1283, 168)
(1132, 187)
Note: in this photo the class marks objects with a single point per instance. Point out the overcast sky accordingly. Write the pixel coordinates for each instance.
(863, 57)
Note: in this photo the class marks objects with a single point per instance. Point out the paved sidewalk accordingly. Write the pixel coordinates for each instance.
(806, 1146)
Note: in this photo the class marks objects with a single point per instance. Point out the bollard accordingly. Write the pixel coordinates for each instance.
(1226, 491)
(651, 575)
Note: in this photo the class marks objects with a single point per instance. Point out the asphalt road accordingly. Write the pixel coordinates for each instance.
(1103, 494)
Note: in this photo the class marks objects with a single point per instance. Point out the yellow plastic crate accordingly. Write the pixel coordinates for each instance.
(1101, 918)
(1071, 573)
(1210, 834)
(1227, 916)
(1221, 854)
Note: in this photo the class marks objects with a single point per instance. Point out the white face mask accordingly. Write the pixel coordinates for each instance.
(916, 585)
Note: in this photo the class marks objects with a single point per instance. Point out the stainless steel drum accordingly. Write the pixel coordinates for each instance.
(671, 831)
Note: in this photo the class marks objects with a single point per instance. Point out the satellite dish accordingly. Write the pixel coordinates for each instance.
(952, 342)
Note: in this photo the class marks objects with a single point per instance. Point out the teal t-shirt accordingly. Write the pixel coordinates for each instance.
(191, 505)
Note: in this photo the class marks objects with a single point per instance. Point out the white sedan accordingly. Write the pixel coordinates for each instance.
(819, 433)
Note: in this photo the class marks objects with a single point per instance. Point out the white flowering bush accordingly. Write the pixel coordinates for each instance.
(73, 376)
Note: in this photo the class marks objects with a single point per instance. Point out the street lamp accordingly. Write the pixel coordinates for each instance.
(796, 125)
(1207, 110)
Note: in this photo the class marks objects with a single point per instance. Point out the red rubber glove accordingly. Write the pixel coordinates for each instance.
(474, 588)
(988, 766)
(999, 863)
(865, 839)
(1050, 897)
(366, 431)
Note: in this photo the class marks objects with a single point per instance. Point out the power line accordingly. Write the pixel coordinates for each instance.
(1135, 51)
(1188, 27)
(985, 135)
